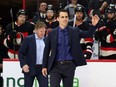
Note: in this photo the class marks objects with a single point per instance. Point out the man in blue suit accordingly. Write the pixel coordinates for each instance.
(63, 52)
(31, 56)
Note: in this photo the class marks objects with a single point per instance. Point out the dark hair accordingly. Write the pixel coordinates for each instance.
(80, 9)
(62, 10)
(39, 3)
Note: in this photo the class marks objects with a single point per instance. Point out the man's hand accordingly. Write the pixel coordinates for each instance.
(44, 72)
(25, 68)
(95, 20)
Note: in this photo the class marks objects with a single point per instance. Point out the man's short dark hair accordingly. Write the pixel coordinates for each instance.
(62, 10)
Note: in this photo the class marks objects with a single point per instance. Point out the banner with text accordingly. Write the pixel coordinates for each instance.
(95, 74)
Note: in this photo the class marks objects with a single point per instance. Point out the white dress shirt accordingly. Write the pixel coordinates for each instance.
(39, 49)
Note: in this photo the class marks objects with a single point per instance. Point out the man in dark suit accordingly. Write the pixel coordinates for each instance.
(31, 56)
(63, 52)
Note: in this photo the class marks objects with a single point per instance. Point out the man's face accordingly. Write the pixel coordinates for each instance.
(110, 15)
(40, 32)
(21, 19)
(74, 1)
(43, 7)
(79, 15)
(50, 14)
(63, 19)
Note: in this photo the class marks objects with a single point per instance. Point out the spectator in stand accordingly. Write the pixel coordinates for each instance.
(16, 32)
(107, 35)
(51, 21)
(71, 8)
(40, 15)
(79, 21)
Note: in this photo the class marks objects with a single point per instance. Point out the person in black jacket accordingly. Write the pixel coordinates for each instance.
(16, 32)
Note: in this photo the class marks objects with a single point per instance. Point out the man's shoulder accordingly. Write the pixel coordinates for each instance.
(30, 36)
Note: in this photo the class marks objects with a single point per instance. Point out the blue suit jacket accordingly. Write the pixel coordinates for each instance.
(74, 35)
(27, 53)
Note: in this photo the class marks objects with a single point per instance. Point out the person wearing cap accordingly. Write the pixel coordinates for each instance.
(16, 32)
(80, 22)
(31, 56)
(106, 35)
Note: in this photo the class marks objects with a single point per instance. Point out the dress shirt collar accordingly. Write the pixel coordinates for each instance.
(38, 37)
(65, 29)
(43, 15)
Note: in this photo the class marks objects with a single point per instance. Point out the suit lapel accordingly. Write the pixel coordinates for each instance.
(69, 35)
(34, 43)
(55, 37)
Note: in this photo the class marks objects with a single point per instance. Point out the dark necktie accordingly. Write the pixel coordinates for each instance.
(42, 15)
(64, 43)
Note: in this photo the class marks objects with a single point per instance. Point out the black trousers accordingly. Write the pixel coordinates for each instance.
(64, 72)
(29, 79)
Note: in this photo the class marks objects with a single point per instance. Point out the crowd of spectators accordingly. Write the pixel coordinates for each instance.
(47, 13)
